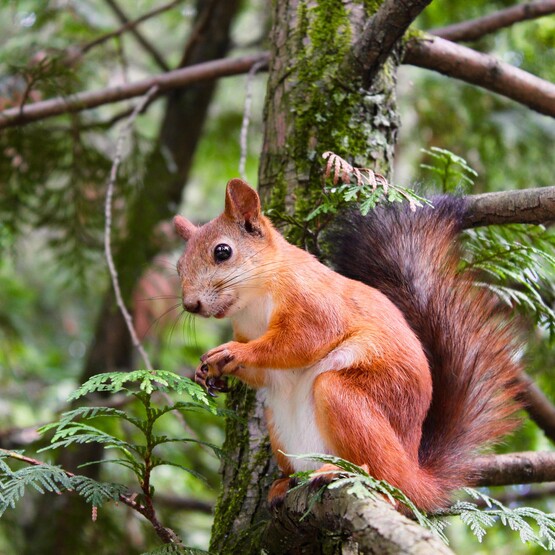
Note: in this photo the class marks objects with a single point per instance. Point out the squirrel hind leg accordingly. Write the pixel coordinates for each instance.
(355, 429)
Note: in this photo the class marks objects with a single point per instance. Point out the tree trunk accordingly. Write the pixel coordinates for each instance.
(316, 101)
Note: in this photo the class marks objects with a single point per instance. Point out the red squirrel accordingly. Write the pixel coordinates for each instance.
(398, 363)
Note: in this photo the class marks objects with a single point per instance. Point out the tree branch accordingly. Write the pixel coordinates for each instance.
(141, 39)
(475, 29)
(527, 206)
(382, 31)
(538, 406)
(167, 535)
(178, 78)
(128, 26)
(482, 70)
(516, 468)
(373, 525)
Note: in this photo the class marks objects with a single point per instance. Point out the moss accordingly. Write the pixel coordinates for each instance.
(330, 110)
(224, 540)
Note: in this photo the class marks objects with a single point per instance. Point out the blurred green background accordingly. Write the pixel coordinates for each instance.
(53, 177)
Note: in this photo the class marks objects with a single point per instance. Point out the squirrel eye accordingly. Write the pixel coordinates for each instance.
(222, 252)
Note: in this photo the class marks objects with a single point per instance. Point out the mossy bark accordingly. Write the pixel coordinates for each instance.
(315, 102)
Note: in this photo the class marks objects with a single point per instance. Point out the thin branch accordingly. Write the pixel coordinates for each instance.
(246, 118)
(527, 206)
(516, 468)
(199, 28)
(108, 226)
(538, 406)
(166, 534)
(178, 503)
(141, 39)
(206, 71)
(128, 26)
(382, 31)
(475, 29)
(482, 70)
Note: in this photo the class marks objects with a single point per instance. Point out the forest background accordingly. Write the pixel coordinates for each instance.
(58, 324)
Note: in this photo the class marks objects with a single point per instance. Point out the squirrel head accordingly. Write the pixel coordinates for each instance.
(221, 266)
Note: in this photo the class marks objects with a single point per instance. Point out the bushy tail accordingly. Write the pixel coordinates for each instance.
(412, 257)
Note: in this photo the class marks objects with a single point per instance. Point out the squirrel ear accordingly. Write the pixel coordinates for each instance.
(242, 204)
(184, 227)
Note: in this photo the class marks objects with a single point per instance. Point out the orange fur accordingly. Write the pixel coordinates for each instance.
(344, 370)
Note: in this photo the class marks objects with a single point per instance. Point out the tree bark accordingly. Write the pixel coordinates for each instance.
(347, 524)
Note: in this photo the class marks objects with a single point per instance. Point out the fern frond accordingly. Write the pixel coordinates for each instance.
(148, 381)
(479, 520)
(359, 185)
(97, 493)
(87, 413)
(80, 433)
(41, 478)
(520, 264)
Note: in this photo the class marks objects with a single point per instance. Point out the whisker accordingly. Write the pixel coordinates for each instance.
(231, 273)
(174, 325)
(157, 320)
(251, 274)
(160, 297)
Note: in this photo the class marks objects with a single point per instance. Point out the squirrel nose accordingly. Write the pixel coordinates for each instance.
(192, 306)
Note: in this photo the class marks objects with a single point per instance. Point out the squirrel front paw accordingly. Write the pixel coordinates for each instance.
(214, 364)
(209, 382)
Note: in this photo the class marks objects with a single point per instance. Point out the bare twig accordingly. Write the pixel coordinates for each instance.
(129, 25)
(141, 39)
(108, 226)
(483, 70)
(178, 78)
(474, 29)
(246, 117)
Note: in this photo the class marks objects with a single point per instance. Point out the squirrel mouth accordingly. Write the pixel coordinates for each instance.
(222, 312)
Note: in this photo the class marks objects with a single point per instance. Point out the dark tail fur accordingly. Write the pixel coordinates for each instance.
(412, 257)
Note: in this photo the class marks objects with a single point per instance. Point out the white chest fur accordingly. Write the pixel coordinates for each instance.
(289, 397)
(252, 322)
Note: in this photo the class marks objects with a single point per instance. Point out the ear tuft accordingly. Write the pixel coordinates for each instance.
(184, 227)
(242, 204)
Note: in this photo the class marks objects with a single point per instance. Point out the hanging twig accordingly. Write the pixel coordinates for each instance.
(108, 226)
(246, 116)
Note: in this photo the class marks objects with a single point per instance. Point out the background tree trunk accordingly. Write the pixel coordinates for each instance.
(58, 528)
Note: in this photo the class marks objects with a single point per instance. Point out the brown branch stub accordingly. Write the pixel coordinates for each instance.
(382, 31)
(475, 29)
(516, 468)
(482, 70)
(372, 524)
(206, 71)
(527, 206)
